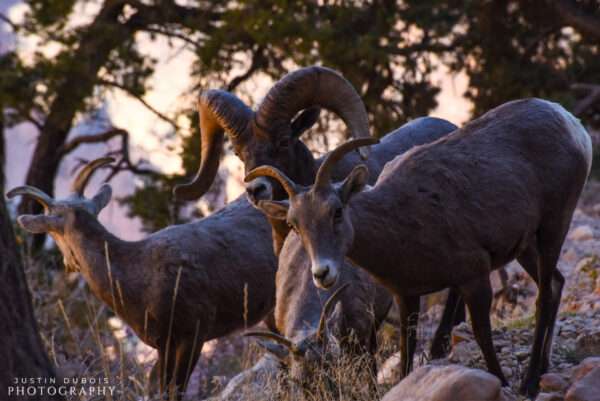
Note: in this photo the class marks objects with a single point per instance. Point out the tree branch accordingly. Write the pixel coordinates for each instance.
(123, 163)
(592, 97)
(570, 14)
(171, 34)
(139, 98)
(258, 62)
(8, 21)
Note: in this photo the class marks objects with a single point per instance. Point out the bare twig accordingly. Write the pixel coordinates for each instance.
(139, 98)
(592, 97)
(123, 164)
(13, 26)
(171, 34)
(258, 61)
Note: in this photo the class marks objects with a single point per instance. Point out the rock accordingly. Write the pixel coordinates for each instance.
(581, 233)
(390, 371)
(588, 345)
(585, 264)
(570, 255)
(464, 352)
(587, 365)
(522, 354)
(250, 382)
(460, 333)
(586, 389)
(552, 382)
(549, 397)
(447, 383)
(506, 371)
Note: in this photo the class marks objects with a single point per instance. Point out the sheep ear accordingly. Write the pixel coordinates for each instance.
(354, 182)
(275, 209)
(102, 197)
(306, 119)
(35, 224)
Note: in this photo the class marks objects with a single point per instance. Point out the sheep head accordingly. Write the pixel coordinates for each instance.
(270, 135)
(62, 216)
(318, 213)
(314, 350)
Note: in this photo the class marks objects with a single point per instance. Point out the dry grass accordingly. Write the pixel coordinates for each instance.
(85, 339)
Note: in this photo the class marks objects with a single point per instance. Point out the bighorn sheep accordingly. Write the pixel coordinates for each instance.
(177, 288)
(445, 214)
(272, 136)
(313, 323)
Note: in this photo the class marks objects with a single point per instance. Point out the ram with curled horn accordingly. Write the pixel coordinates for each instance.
(141, 279)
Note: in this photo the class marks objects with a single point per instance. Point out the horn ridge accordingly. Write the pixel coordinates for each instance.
(314, 86)
(220, 113)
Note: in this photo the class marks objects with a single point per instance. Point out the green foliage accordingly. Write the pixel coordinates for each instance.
(388, 49)
(512, 49)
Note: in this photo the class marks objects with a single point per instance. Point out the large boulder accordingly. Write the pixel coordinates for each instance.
(587, 388)
(447, 383)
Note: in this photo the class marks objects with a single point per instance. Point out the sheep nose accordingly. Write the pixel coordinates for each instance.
(257, 190)
(320, 272)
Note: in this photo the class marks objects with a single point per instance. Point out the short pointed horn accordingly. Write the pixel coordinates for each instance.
(84, 175)
(290, 187)
(327, 309)
(33, 192)
(220, 112)
(310, 87)
(324, 174)
(275, 337)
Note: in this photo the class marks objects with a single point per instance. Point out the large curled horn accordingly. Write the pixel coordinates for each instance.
(84, 175)
(310, 87)
(37, 194)
(324, 173)
(290, 187)
(327, 309)
(289, 344)
(220, 112)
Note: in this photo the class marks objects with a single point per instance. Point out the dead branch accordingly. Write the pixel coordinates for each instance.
(122, 154)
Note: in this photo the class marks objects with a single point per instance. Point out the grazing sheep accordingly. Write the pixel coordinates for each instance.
(446, 214)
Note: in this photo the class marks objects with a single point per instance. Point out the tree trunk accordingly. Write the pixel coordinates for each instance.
(21, 352)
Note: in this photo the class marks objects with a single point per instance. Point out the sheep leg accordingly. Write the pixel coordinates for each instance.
(165, 368)
(409, 318)
(454, 314)
(153, 379)
(550, 287)
(478, 297)
(186, 356)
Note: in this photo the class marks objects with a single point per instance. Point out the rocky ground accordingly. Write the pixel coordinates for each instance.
(577, 332)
